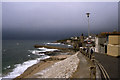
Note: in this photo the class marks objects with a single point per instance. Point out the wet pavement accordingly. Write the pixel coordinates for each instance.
(111, 64)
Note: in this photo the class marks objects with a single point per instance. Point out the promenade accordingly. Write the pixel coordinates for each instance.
(83, 67)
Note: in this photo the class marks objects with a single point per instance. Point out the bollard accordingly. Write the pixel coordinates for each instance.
(93, 57)
(89, 55)
(93, 60)
(92, 72)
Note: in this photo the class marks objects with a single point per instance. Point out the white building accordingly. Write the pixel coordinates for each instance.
(100, 44)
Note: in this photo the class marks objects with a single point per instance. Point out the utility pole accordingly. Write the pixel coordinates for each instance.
(88, 14)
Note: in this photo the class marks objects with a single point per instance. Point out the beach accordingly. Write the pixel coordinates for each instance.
(63, 65)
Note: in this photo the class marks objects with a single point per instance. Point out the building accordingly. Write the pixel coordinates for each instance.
(113, 46)
(68, 41)
(101, 41)
(101, 44)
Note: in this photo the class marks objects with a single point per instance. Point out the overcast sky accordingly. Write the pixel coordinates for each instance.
(56, 20)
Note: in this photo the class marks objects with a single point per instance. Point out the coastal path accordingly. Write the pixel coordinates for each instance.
(83, 67)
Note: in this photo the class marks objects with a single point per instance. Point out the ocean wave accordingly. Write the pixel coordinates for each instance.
(36, 52)
(28, 55)
(7, 67)
(42, 50)
(69, 45)
(54, 43)
(58, 44)
(47, 50)
(20, 68)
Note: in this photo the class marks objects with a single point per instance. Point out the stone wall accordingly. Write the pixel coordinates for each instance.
(113, 50)
(113, 47)
(114, 39)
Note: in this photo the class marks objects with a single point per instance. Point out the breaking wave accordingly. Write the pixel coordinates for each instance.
(20, 68)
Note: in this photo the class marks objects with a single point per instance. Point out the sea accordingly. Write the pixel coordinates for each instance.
(18, 55)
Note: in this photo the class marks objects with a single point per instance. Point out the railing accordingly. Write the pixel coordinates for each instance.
(104, 74)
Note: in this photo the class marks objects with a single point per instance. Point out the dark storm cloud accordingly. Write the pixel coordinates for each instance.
(119, 16)
(50, 20)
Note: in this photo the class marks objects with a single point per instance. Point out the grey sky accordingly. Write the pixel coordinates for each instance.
(119, 16)
(56, 20)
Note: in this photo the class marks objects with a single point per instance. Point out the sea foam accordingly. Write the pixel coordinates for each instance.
(54, 43)
(20, 68)
(42, 50)
(46, 49)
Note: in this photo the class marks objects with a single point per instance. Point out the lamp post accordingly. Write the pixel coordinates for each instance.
(88, 14)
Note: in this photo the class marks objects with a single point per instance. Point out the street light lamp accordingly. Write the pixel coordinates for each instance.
(88, 14)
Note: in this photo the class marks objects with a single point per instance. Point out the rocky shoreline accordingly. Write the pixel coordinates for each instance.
(47, 63)
(61, 69)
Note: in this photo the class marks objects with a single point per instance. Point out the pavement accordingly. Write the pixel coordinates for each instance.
(83, 67)
(111, 64)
